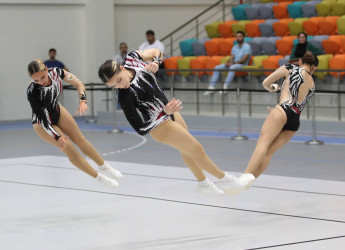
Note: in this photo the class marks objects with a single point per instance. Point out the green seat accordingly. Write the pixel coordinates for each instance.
(338, 8)
(212, 29)
(323, 64)
(257, 64)
(295, 28)
(341, 25)
(324, 8)
(239, 26)
(266, 1)
(184, 63)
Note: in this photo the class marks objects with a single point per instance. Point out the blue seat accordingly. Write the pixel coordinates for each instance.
(295, 10)
(198, 48)
(186, 47)
(239, 12)
(252, 11)
(256, 48)
(266, 29)
(266, 11)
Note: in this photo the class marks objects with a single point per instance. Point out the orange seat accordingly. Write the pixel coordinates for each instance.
(225, 46)
(329, 26)
(280, 1)
(244, 73)
(225, 28)
(212, 46)
(281, 28)
(272, 62)
(252, 28)
(280, 10)
(337, 62)
(213, 62)
(289, 38)
(284, 47)
(312, 27)
(171, 63)
(199, 63)
(334, 45)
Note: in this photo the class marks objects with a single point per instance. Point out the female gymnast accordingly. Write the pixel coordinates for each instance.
(140, 91)
(51, 120)
(284, 119)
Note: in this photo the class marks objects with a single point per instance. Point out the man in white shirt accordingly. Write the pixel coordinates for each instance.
(152, 42)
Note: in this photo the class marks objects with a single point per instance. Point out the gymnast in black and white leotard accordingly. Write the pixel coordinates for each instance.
(148, 111)
(284, 120)
(51, 121)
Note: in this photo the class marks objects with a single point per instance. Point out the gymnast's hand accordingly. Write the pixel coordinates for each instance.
(152, 66)
(63, 141)
(82, 108)
(173, 106)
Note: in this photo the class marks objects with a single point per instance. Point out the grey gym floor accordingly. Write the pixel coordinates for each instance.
(298, 203)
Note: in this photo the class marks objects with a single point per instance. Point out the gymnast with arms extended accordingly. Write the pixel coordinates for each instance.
(139, 91)
(284, 119)
(51, 121)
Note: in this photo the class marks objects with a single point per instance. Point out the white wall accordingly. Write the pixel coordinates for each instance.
(84, 32)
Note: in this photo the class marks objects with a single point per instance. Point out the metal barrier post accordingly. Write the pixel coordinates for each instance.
(339, 98)
(239, 124)
(92, 119)
(172, 85)
(115, 129)
(107, 100)
(197, 95)
(313, 141)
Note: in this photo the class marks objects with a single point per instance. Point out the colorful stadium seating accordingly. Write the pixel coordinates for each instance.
(337, 62)
(225, 28)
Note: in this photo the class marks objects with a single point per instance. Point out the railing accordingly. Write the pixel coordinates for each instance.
(220, 11)
(95, 87)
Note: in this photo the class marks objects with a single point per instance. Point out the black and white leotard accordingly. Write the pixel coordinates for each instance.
(289, 96)
(43, 101)
(144, 95)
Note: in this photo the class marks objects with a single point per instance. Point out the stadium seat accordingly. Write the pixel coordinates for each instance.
(308, 9)
(338, 8)
(334, 45)
(252, 11)
(341, 25)
(239, 26)
(337, 62)
(257, 64)
(281, 28)
(239, 12)
(184, 63)
(171, 63)
(312, 27)
(252, 28)
(186, 47)
(266, 11)
(272, 62)
(296, 26)
(212, 46)
(317, 44)
(256, 48)
(323, 8)
(323, 64)
(259, 40)
(246, 39)
(213, 62)
(266, 29)
(285, 45)
(225, 46)
(321, 37)
(329, 26)
(199, 63)
(284, 60)
(269, 47)
(295, 10)
(225, 28)
(199, 48)
(212, 29)
(280, 10)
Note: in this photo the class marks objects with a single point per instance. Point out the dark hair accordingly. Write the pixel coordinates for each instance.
(306, 37)
(123, 43)
(150, 32)
(240, 32)
(52, 50)
(108, 69)
(309, 59)
(35, 66)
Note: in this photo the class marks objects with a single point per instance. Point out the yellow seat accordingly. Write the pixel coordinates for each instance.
(212, 29)
(341, 25)
(323, 64)
(184, 63)
(257, 64)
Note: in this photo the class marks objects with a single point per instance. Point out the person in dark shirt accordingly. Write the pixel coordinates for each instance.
(303, 46)
(52, 62)
(51, 120)
(148, 111)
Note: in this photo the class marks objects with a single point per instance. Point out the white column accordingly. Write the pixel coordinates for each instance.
(100, 35)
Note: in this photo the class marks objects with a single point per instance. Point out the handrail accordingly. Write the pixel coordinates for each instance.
(191, 20)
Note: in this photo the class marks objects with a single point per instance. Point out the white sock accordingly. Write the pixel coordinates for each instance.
(226, 178)
(205, 183)
(104, 166)
(99, 176)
